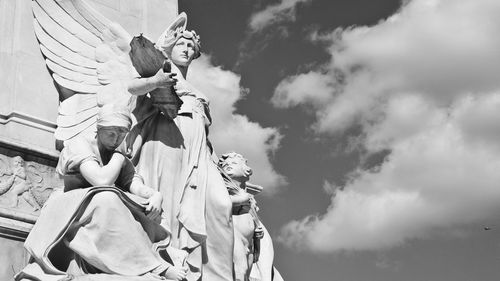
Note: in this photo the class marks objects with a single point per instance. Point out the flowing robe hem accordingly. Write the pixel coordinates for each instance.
(61, 210)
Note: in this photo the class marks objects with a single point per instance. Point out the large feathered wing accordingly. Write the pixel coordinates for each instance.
(88, 57)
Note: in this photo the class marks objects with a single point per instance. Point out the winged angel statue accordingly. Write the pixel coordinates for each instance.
(94, 61)
(91, 60)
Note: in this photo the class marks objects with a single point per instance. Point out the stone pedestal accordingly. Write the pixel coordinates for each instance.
(28, 111)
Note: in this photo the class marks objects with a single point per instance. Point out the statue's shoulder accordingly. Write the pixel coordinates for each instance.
(75, 152)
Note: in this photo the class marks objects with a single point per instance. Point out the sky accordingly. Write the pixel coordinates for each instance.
(372, 126)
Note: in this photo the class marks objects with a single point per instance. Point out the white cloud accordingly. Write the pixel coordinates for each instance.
(235, 132)
(281, 12)
(433, 179)
(422, 84)
(301, 85)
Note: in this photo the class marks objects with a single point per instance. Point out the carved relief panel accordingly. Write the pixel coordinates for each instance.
(25, 185)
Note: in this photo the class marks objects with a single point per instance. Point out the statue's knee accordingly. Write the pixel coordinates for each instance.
(106, 198)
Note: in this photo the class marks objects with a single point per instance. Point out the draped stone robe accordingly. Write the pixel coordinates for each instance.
(93, 233)
(174, 157)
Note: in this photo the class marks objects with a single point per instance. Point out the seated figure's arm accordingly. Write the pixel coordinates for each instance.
(105, 175)
(141, 86)
(153, 204)
(138, 188)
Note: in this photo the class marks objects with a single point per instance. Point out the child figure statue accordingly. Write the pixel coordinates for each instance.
(253, 247)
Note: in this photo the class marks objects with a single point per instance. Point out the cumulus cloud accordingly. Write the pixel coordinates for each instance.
(301, 85)
(272, 14)
(423, 85)
(235, 132)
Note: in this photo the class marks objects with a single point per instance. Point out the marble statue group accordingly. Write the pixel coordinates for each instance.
(145, 195)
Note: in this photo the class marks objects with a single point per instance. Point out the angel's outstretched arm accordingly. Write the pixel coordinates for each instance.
(142, 86)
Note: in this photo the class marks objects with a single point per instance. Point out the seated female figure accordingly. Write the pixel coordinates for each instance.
(94, 227)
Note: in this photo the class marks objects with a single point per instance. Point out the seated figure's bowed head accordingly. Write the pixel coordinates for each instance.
(112, 115)
(113, 124)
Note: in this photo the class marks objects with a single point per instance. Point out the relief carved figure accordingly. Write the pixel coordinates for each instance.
(21, 182)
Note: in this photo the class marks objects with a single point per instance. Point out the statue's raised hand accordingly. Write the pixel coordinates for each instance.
(164, 79)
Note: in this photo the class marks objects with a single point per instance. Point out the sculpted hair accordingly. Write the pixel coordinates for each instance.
(176, 31)
(224, 159)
